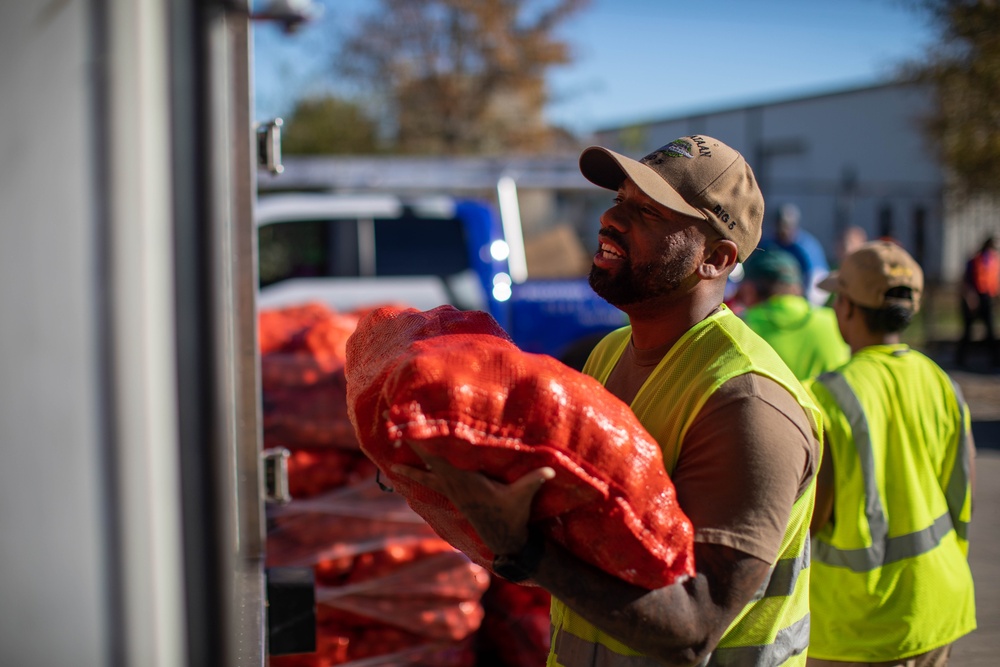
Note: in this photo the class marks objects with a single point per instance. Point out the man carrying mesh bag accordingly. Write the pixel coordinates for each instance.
(738, 434)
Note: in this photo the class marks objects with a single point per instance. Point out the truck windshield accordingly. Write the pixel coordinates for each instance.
(404, 246)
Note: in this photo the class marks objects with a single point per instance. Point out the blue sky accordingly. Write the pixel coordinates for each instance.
(644, 59)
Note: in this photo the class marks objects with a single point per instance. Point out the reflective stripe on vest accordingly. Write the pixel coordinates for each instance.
(783, 576)
(885, 549)
(789, 642)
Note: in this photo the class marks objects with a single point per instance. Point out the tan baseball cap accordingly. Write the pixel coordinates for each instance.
(871, 271)
(695, 175)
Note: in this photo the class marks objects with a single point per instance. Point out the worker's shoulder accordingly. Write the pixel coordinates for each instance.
(756, 412)
(760, 395)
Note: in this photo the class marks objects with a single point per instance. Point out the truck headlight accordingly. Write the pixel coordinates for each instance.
(501, 285)
(499, 250)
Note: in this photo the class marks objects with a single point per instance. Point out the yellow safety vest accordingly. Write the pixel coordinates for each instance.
(890, 576)
(773, 628)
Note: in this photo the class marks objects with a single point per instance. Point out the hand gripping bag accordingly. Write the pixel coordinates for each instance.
(455, 382)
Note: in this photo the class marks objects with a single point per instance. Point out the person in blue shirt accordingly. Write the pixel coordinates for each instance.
(806, 248)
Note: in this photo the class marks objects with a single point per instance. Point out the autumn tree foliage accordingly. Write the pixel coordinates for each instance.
(963, 69)
(452, 77)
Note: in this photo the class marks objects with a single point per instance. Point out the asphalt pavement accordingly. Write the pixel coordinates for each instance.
(982, 647)
(980, 384)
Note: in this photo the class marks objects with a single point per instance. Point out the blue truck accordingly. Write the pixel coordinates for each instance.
(357, 250)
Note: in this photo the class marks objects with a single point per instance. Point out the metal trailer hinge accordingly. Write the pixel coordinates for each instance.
(269, 145)
(275, 462)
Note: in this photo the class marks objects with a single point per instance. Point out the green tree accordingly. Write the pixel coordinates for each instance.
(963, 69)
(327, 125)
(459, 76)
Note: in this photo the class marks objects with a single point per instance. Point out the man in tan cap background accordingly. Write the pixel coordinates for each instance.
(739, 434)
(890, 582)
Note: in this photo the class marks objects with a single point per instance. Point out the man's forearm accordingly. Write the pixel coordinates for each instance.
(677, 624)
(670, 624)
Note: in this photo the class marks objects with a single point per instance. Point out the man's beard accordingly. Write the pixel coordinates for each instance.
(634, 284)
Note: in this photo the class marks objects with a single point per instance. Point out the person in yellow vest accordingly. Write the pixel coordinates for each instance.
(739, 433)
(805, 336)
(891, 583)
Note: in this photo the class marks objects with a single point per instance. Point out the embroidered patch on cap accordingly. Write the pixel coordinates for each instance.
(677, 149)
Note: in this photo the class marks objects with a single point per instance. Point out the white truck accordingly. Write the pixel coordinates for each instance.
(354, 250)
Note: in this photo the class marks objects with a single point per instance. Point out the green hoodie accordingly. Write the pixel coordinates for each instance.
(806, 337)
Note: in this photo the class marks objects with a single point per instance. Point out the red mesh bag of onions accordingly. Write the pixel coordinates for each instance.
(453, 381)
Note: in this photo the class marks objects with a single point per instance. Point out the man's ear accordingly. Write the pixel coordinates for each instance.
(720, 258)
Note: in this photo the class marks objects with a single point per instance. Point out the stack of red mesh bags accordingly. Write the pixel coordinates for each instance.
(302, 376)
(455, 382)
(388, 589)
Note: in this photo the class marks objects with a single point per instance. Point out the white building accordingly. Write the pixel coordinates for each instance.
(849, 157)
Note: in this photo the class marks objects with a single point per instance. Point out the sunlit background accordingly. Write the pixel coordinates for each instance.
(646, 58)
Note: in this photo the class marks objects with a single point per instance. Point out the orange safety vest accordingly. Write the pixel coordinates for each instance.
(986, 272)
